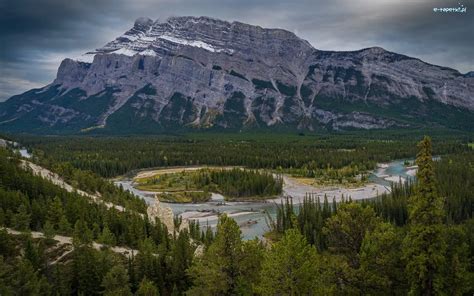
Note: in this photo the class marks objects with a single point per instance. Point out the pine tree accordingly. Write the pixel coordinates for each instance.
(116, 282)
(62, 283)
(254, 251)
(32, 254)
(220, 270)
(182, 254)
(147, 264)
(5, 288)
(48, 230)
(7, 248)
(22, 219)
(82, 234)
(290, 267)
(26, 281)
(147, 288)
(55, 212)
(381, 270)
(86, 277)
(424, 247)
(107, 237)
(346, 230)
(64, 226)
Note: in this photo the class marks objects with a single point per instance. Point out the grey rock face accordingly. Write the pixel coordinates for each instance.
(201, 72)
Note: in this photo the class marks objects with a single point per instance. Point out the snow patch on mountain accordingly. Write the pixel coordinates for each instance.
(194, 43)
(86, 58)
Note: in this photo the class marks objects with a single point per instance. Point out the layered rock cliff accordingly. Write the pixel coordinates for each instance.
(199, 72)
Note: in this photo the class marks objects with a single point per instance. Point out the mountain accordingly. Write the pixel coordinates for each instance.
(201, 73)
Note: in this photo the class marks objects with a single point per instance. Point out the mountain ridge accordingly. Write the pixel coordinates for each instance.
(200, 72)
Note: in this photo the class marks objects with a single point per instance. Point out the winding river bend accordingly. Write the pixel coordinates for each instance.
(252, 216)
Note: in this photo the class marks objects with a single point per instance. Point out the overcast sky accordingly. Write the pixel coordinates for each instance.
(35, 35)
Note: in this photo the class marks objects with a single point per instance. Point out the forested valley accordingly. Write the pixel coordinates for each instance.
(237, 184)
(417, 240)
(300, 154)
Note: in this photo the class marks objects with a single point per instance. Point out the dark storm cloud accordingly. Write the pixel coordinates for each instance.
(37, 34)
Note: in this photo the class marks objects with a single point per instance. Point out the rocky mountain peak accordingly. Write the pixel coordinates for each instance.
(148, 36)
(143, 22)
(201, 72)
(374, 50)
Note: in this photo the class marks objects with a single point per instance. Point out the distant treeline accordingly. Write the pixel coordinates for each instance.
(303, 155)
(238, 183)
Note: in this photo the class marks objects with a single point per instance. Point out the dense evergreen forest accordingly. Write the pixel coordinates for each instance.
(233, 184)
(239, 183)
(303, 155)
(418, 240)
(27, 266)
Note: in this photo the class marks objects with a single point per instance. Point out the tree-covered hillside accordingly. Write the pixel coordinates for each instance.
(418, 240)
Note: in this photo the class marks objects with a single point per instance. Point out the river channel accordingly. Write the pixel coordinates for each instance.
(252, 216)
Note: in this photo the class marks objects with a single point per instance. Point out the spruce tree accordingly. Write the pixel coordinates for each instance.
(424, 247)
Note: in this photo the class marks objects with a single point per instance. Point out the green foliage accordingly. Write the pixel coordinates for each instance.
(48, 230)
(147, 288)
(64, 226)
(347, 228)
(85, 270)
(93, 184)
(239, 183)
(26, 281)
(223, 269)
(82, 234)
(424, 247)
(182, 254)
(109, 157)
(29, 201)
(455, 182)
(359, 254)
(195, 186)
(381, 269)
(393, 206)
(107, 237)
(291, 267)
(21, 220)
(116, 282)
(184, 197)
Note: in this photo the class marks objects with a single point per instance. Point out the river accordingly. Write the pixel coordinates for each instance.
(252, 216)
